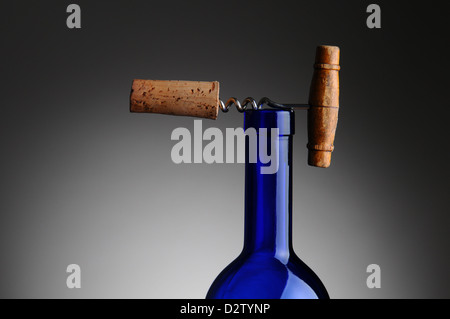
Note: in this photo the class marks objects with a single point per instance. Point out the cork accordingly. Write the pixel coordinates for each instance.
(183, 98)
(324, 106)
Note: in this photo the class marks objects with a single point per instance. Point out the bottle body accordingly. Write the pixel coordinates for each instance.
(262, 276)
(267, 267)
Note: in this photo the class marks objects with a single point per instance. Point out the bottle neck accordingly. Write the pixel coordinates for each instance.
(268, 196)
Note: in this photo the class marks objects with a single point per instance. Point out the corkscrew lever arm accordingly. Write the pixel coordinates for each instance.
(276, 105)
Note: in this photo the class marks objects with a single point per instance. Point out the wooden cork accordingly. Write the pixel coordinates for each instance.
(324, 106)
(185, 98)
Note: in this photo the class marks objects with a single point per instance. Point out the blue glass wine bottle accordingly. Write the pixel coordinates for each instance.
(267, 267)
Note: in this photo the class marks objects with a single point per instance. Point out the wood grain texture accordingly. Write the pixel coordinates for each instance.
(324, 106)
(184, 98)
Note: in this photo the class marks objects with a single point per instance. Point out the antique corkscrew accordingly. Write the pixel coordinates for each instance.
(201, 99)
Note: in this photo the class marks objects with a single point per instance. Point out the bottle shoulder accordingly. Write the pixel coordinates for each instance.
(262, 276)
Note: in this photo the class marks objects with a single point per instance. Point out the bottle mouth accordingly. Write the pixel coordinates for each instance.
(283, 120)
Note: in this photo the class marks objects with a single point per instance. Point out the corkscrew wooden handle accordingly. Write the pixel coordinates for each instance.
(324, 106)
(185, 98)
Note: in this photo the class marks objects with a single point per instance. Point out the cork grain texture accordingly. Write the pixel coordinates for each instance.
(183, 98)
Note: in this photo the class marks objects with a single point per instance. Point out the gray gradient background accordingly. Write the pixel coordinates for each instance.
(84, 181)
